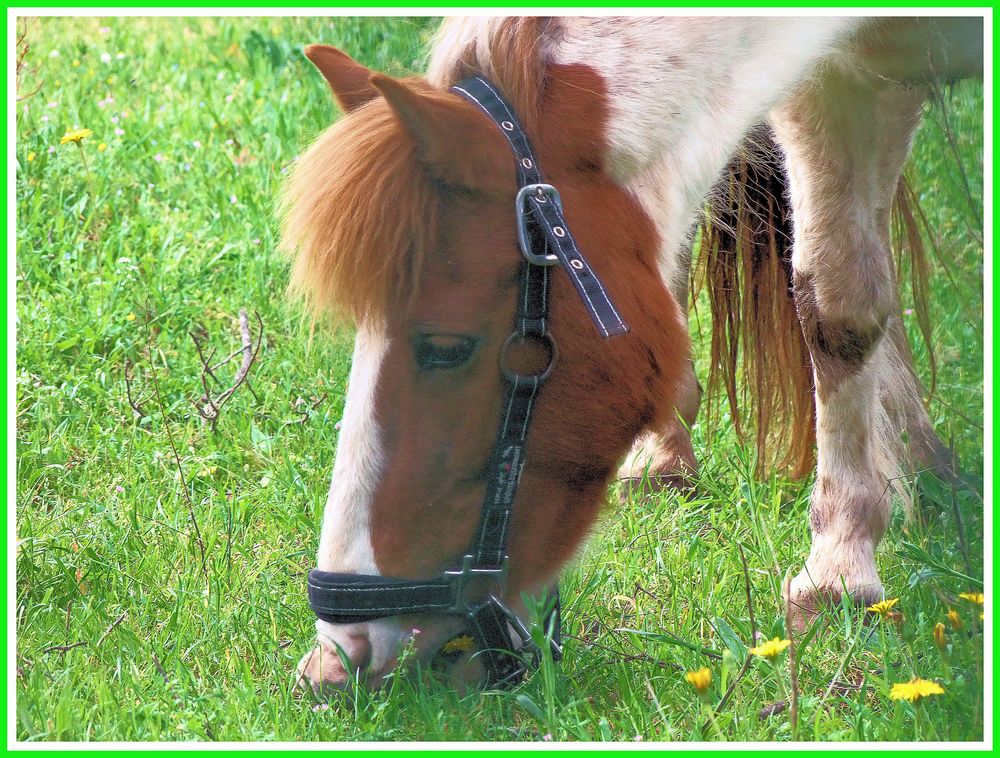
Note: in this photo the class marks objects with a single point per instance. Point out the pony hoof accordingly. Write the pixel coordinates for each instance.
(806, 601)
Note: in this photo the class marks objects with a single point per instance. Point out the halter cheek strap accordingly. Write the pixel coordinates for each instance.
(545, 241)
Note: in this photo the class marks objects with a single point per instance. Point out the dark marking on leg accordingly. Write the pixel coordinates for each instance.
(839, 348)
(846, 342)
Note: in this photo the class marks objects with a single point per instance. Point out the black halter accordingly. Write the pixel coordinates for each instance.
(545, 241)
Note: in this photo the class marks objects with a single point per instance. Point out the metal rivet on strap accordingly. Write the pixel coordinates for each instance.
(507, 125)
(526, 162)
(577, 264)
(558, 231)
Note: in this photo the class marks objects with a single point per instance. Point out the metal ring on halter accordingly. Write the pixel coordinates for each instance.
(545, 340)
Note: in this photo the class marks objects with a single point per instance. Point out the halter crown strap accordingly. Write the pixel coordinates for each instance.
(546, 214)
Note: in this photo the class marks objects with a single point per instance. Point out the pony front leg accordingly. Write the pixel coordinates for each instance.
(845, 143)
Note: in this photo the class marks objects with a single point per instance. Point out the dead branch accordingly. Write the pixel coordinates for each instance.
(111, 628)
(62, 648)
(135, 405)
(180, 468)
(305, 414)
(159, 667)
(771, 709)
(209, 407)
(22, 48)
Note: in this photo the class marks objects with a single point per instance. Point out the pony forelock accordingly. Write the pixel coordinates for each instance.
(359, 215)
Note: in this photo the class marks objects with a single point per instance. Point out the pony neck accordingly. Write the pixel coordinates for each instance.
(685, 91)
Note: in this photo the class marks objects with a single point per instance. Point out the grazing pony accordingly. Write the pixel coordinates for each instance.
(401, 215)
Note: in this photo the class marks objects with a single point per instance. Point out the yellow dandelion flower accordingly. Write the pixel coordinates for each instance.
(130, 317)
(76, 63)
(75, 135)
(31, 157)
(461, 644)
(975, 598)
(102, 147)
(882, 608)
(771, 649)
(915, 689)
(954, 619)
(940, 638)
(699, 679)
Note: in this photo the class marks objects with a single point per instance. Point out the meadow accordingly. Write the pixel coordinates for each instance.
(161, 558)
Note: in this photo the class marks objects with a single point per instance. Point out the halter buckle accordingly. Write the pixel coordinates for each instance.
(469, 572)
(542, 193)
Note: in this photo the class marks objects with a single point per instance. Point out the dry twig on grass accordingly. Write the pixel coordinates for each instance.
(209, 407)
(135, 405)
(22, 47)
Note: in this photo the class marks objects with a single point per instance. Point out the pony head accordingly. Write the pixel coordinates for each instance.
(401, 217)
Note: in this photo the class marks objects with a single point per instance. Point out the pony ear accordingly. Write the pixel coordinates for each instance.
(347, 78)
(454, 140)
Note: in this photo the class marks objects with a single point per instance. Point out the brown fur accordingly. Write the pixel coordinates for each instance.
(411, 166)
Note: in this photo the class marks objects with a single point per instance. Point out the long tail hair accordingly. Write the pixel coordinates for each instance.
(760, 364)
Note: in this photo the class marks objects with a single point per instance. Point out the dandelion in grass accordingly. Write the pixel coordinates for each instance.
(700, 679)
(102, 147)
(883, 607)
(460, 644)
(915, 689)
(976, 598)
(770, 649)
(940, 638)
(31, 157)
(954, 619)
(76, 137)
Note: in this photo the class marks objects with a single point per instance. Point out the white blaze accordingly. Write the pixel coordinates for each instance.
(345, 542)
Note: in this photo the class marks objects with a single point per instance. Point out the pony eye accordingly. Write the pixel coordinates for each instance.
(442, 351)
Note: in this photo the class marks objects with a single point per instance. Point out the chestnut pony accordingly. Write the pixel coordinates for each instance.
(401, 216)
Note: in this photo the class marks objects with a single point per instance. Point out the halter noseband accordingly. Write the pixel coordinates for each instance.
(545, 241)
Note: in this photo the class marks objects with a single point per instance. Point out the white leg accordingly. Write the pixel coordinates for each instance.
(846, 139)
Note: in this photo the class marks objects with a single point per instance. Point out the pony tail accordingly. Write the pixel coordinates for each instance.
(908, 244)
(759, 358)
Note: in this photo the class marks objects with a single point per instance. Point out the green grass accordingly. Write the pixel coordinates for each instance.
(169, 231)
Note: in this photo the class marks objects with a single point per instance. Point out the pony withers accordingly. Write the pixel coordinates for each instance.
(403, 215)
